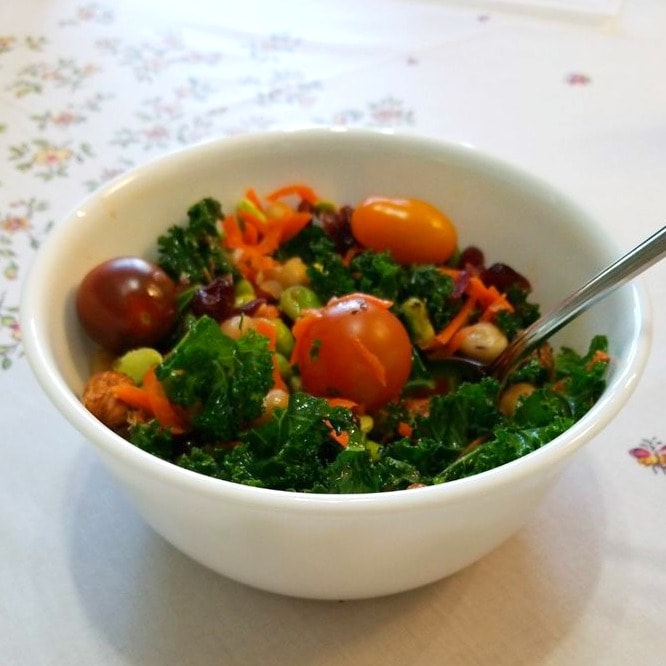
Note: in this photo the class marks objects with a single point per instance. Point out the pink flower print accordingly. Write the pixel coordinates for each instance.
(11, 271)
(156, 133)
(578, 79)
(65, 119)
(15, 224)
(7, 42)
(15, 330)
(53, 156)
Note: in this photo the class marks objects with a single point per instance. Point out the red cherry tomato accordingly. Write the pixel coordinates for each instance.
(411, 230)
(353, 348)
(126, 302)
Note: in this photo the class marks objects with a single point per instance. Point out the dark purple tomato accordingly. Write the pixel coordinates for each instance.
(126, 302)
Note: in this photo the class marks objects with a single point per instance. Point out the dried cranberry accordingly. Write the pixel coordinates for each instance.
(504, 277)
(215, 299)
(472, 256)
(337, 224)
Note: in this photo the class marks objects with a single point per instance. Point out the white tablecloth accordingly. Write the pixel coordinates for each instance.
(571, 91)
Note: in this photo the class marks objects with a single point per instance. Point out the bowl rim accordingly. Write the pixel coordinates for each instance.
(108, 443)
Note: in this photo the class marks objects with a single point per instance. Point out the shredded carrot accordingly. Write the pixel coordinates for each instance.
(252, 196)
(167, 414)
(342, 438)
(133, 396)
(151, 398)
(457, 339)
(252, 226)
(599, 356)
(267, 329)
(370, 360)
(418, 405)
(451, 272)
(278, 381)
(350, 254)
(488, 297)
(456, 323)
(303, 191)
(268, 311)
(342, 402)
(404, 429)
(299, 331)
(233, 236)
(292, 224)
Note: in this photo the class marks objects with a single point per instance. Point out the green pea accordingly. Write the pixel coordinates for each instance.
(294, 300)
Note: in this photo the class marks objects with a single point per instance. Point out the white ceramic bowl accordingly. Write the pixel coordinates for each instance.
(333, 546)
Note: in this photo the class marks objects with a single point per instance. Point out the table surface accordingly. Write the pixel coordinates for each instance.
(572, 91)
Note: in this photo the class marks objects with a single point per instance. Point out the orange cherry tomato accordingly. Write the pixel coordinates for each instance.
(353, 348)
(411, 230)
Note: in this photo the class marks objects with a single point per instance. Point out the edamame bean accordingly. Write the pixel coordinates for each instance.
(296, 299)
(284, 342)
(136, 362)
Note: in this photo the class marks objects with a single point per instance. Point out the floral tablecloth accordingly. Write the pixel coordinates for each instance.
(572, 91)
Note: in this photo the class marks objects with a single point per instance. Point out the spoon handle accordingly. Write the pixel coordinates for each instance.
(624, 269)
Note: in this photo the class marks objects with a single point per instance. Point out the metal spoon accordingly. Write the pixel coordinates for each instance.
(633, 263)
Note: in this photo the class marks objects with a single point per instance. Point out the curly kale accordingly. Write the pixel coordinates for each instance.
(223, 380)
(582, 378)
(326, 270)
(524, 313)
(377, 274)
(507, 444)
(153, 439)
(435, 289)
(291, 451)
(453, 421)
(193, 254)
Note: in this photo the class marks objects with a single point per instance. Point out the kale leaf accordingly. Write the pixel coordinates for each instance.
(193, 254)
(507, 444)
(326, 270)
(223, 380)
(377, 274)
(292, 450)
(582, 378)
(435, 289)
(355, 471)
(525, 312)
(153, 439)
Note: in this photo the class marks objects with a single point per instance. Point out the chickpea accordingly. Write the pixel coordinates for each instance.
(235, 326)
(292, 272)
(275, 399)
(511, 396)
(483, 342)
